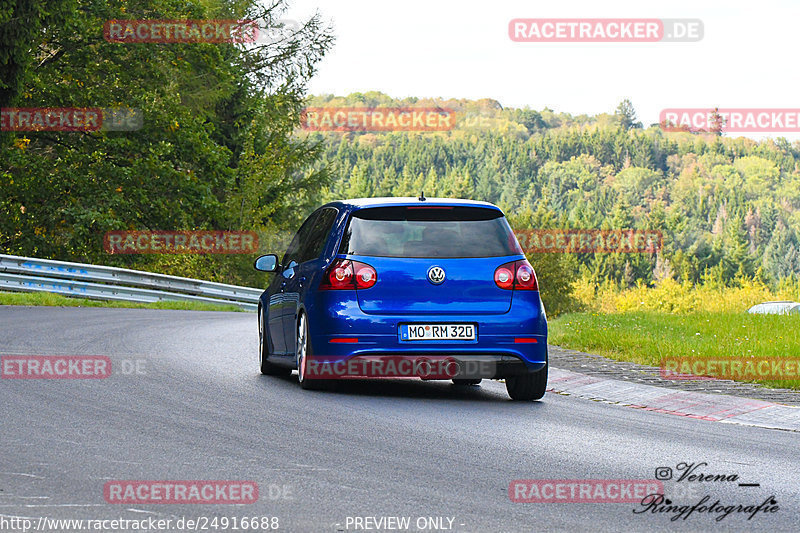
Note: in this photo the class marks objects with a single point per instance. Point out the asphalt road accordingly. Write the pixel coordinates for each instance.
(198, 410)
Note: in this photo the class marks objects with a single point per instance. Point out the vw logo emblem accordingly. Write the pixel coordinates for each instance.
(436, 275)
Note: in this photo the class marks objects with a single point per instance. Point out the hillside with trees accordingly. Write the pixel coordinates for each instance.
(727, 207)
(221, 148)
(216, 150)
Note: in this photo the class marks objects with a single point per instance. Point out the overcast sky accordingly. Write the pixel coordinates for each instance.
(461, 49)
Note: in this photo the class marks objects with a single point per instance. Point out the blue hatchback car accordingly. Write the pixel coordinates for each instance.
(385, 280)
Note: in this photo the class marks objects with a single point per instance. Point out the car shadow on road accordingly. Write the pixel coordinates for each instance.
(408, 388)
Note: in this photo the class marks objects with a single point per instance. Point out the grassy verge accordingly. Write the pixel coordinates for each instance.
(57, 300)
(649, 337)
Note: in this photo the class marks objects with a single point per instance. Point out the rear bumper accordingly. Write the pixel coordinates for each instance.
(425, 366)
(512, 343)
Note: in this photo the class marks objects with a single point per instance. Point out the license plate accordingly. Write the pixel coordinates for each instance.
(437, 332)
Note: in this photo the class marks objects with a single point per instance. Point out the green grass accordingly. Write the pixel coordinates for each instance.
(649, 337)
(57, 300)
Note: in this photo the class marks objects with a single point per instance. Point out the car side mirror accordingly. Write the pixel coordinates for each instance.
(266, 263)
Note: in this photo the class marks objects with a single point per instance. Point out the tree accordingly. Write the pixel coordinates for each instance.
(217, 149)
(736, 259)
(782, 255)
(626, 115)
(359, 185)
(717, 122)
(555, 271)
(532, 120)
(22, 24)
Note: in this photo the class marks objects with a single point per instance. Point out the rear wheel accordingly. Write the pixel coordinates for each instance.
(267, 368)
(304, 352)
(465, 382)
(527, 387)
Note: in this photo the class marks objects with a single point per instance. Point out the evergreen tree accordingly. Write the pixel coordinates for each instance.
(626, 115)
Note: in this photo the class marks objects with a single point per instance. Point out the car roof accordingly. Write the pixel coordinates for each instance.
(361, 203)
(775, 307)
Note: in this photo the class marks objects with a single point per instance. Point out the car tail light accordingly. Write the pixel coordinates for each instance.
(504, 276)
(365, 275)
(526, 278)
(516, 275)
(347, 274)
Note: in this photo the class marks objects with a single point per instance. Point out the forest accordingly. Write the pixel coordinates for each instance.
(727, 207)
(220, 148)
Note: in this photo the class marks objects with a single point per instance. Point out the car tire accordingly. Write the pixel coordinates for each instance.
(527, 387)
(267, 368)
(465, 382)
(302, 353)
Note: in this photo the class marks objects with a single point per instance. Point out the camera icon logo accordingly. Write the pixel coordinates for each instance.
(663, 473)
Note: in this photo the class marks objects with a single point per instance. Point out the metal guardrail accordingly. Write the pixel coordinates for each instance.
(111, 283)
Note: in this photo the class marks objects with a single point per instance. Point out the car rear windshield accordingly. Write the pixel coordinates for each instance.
(435, 231)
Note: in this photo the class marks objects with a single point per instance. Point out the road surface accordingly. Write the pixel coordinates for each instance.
(185, 402)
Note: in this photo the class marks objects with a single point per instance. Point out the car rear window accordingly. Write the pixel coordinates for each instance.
(446, 232)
